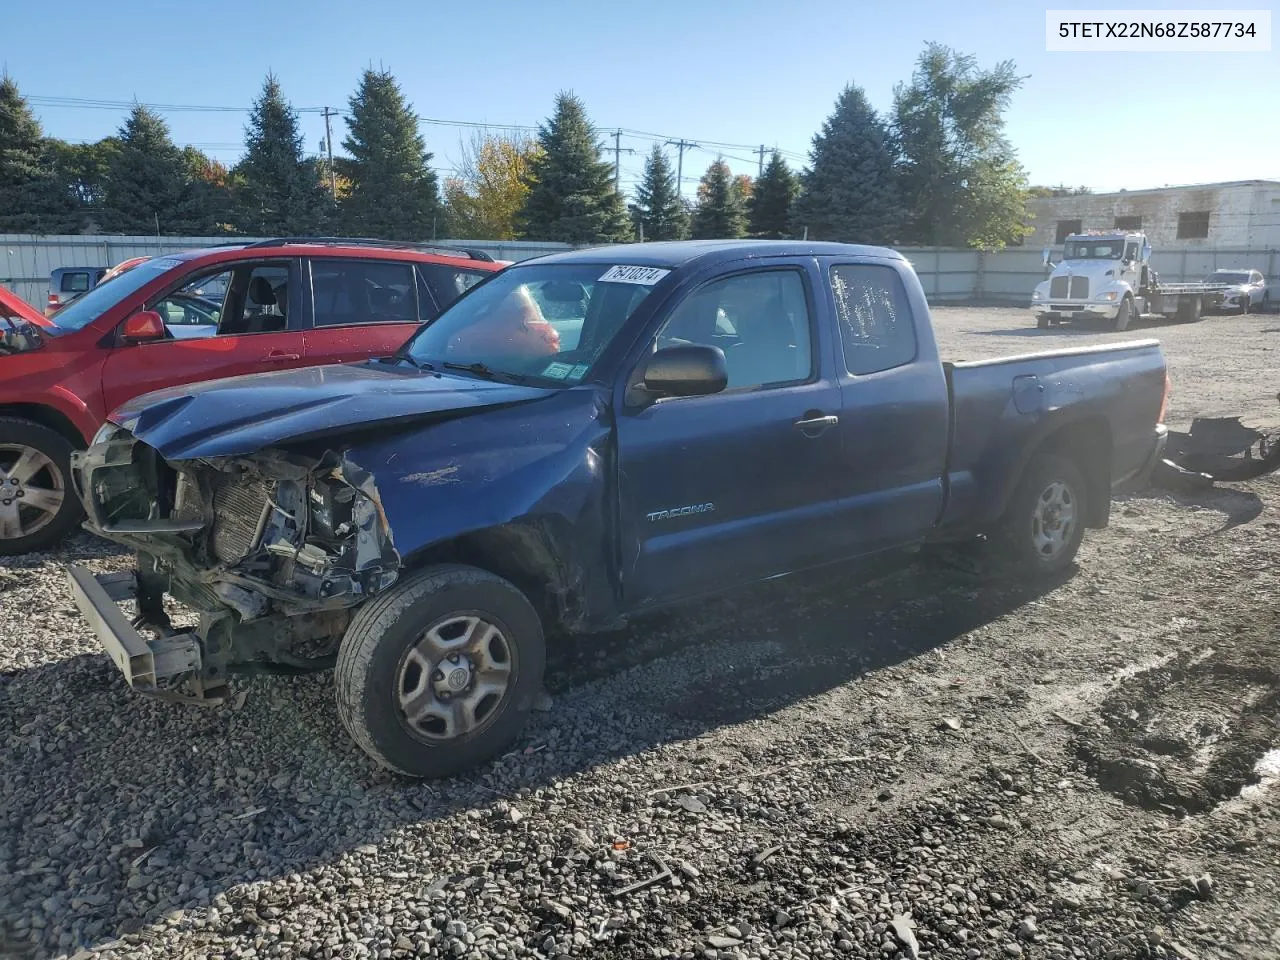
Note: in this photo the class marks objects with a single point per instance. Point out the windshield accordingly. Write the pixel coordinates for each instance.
(549, 321)
(1227, 276)
(1094, 250)
(88, 307)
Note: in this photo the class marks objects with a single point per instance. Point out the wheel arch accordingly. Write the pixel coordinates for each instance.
(1086, 442)
(46, 416)
(533, 555)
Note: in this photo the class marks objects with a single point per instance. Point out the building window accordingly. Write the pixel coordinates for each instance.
(1193, 226)
(1066, 228)
(1128, 223)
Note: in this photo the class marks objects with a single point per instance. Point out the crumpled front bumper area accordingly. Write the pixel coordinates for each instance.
(271, 550)
(145, 664)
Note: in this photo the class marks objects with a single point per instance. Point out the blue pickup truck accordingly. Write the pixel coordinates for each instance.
(579, 439)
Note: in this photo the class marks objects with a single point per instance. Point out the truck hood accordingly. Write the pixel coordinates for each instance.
(242, 415)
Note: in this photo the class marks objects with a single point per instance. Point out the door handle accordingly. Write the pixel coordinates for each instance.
(815, 423)
(282, 357)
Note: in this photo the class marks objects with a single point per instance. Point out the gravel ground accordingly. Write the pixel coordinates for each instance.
(928, 763)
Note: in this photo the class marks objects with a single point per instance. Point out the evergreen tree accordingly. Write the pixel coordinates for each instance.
(769, 208)
(394, 192)
(571, 193)
(660, 212)
(720, 212)
(849, 193)
(152, 186)
(960, 180)
(33, 198)
(278, 188)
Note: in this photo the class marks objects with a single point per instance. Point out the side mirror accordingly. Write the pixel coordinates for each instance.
(1046, 256)
(142, 327)
(688, 370)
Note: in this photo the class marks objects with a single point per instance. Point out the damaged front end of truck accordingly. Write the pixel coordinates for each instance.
(271, 549)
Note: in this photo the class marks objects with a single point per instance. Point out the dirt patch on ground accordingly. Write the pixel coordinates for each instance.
(1188, 734)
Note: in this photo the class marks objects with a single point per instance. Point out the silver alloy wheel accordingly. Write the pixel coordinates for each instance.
(1054, 518)
(454, 677)
(32, 489)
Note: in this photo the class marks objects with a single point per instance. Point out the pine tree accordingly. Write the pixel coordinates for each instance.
(769, 209)
(660, 210)
(720, 212)
(571, 193)
(849, 193)
(394, 192)
(278, 188)
(33, 198)
(150, 185)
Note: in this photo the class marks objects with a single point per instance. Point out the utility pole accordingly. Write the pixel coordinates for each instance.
(618, 151)
(681, 146)
(760, 170)
(328, 139)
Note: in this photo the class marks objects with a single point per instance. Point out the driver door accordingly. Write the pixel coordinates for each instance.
(1131, 264)
(254, 334)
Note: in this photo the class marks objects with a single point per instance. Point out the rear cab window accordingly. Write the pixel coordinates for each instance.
(877, 330)
(75, 281)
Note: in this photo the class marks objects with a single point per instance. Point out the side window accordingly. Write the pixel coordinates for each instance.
(256, 300)
(875, 322)
(75, 282)
(363, 291)
(449, 283)
(760, 320)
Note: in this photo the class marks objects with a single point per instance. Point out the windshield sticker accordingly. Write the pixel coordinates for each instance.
(557, 371)
(645, 276)
(578, 372)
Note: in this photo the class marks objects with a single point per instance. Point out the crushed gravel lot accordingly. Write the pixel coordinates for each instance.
(932, 763)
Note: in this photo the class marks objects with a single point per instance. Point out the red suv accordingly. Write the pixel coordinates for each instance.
(199, 315)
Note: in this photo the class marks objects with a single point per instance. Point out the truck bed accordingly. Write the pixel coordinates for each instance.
(1003, 409)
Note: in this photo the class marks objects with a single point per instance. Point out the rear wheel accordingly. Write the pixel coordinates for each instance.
(440, 672)
(1042, 321)
(37, 505)
(1189, 309)
(1124, 314)
(1044, 525)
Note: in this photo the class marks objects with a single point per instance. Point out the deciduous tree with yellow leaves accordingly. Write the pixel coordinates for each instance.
(490, 186)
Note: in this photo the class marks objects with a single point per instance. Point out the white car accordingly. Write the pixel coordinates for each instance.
(1245, 289)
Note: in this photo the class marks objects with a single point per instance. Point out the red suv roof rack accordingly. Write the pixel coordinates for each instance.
(370, 242)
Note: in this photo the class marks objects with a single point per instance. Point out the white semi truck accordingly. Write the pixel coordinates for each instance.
(1108, 276)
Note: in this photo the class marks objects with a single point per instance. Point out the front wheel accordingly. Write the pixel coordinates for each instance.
(1044, 525)
(1124, 314)
(1245, 305)
(37, 505)
(440, 672)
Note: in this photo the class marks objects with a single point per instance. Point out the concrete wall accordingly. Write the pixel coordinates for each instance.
(1243, 215)
(27, 260)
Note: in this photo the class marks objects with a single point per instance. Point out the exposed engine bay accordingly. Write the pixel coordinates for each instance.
(271, 549)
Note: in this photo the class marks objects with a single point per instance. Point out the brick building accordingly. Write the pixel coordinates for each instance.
(1237, 215)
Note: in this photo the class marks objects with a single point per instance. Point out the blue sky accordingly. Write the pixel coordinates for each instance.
(747, 73)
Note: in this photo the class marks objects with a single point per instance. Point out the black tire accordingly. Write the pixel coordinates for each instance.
(1245, 305)
(382, 634)
(1019, 527)
(44, 530)
(1124, 314)
(1190, 309)
(1042, 322)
